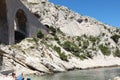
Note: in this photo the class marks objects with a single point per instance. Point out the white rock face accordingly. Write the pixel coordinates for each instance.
(73, 28)
(52, 66)
(33, 1)
(116, 78)
(6, 78)
(68, 21)
(33, 55)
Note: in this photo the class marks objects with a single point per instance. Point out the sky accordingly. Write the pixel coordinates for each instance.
(106, 11)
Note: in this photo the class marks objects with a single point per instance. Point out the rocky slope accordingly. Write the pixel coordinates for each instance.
(74, 42)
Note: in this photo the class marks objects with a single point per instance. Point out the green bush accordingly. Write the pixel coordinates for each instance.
(57, 49)
(78, 38)
(93, 39)
(82, 57)
(85, 56)
(43, 3)
(60, 32)
(115, 38)
(103, 34)
(89, 55)
(117, 30)
(40, 34)
(35, 40)
(85, 44)
(117, 53)
(105, 50)
(85, 36)
(53, 30)
(71, 47)
(56, 38)
(62, 55)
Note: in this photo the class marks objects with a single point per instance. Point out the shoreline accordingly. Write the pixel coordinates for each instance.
(92, 68)
(100, 67)
(97, 62)
(31, 61)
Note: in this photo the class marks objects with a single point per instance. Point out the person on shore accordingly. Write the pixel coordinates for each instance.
(14, 76)
(21, 77)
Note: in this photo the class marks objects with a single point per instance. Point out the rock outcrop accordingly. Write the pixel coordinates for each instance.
(74, 42)
(116, 78)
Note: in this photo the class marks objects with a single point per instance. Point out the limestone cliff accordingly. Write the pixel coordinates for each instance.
(74, 42)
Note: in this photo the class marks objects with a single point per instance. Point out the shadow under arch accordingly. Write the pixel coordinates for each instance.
(20, 25)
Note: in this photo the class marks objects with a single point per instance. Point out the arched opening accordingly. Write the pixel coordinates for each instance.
(20, 26)
(47, 26)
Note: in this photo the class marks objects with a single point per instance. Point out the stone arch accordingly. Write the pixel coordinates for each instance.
(9, 14)
(20, 25)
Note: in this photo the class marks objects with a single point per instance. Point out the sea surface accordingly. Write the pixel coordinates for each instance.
(91, 74)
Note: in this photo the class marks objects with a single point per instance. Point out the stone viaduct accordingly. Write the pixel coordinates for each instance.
(17, 22)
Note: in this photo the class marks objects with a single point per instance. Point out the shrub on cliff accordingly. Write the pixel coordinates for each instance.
(85, 44)
(61, 54)
(53, 30)
(115, 38)
(71, 47)
(105, 50)
(117, 53)
(40, 34)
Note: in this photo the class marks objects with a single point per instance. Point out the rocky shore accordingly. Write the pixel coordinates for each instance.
(27, 58)
(116, 78)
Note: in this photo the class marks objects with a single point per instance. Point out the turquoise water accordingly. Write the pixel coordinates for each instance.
(93, 74)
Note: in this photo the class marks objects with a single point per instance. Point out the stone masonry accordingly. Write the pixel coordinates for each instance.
(14, 16)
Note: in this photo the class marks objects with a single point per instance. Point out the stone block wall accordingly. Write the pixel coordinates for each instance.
(8, 17)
